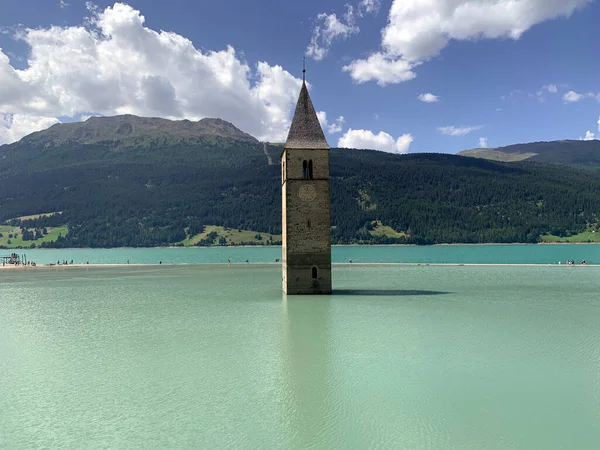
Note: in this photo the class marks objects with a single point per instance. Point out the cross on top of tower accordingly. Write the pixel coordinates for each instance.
(304, 70)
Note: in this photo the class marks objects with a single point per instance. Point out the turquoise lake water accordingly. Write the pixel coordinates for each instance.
(403, 357)
(475, 254)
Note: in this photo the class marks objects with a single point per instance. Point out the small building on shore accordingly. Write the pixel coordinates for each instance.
(12, 259)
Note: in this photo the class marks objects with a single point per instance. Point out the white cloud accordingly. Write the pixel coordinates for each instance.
(366, 139)
(572, 96)
(378, 67)
(589, 136)
(114, 65)
(369, 6)
(429, 98)
(330, 28)
(458, 131)
(322, 116)
(403, 143)
(332, 128)
(550, 88)
(91, 6)
(63, 4)
(483, 142)
(418, 30)
(14, 126)
(337, 126)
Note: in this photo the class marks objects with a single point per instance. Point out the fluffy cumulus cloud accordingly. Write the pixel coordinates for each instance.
(458, 131)
(572, 96)
(589, 136)
(332, 128)
(366, 139)
(418, 30)
(115, 65)
(429, 98)
(322, 116)
(383, 69)
(336, 127)
(14, 126)
(483, 142)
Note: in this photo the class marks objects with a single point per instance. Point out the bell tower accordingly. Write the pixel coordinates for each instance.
(306, 204)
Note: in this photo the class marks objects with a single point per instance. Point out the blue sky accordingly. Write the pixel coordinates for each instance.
(501, 74)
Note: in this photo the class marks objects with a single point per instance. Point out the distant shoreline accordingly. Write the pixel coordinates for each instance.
(279, 246)
(273, 264)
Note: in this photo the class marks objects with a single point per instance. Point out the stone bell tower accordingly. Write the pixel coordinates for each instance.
(306, 204)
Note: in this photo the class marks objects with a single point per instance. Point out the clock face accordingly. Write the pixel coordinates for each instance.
(307, 192)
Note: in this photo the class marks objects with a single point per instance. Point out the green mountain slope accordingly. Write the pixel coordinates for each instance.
(114, 192)
(558, 152)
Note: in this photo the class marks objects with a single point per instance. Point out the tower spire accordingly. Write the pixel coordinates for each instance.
(305, 130)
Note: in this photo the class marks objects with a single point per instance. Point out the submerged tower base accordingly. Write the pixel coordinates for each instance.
(309, 275)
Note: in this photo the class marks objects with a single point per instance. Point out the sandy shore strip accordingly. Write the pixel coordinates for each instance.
(255, 265)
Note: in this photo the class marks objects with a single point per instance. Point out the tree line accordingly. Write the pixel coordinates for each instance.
(171, 193)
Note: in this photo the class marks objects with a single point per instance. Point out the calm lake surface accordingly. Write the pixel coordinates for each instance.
(407, 357)
(474, 254)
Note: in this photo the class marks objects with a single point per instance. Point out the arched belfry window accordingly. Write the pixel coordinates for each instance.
(310, 170)
(315, 273)
(304, 169)
(308, 223)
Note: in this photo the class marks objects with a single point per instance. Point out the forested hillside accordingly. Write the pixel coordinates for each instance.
(116, 192)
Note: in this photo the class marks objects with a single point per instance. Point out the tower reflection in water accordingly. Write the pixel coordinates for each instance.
(309, 406)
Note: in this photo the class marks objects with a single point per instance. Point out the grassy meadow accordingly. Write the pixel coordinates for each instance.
(17, 240)
(233, 236)
(586, 236)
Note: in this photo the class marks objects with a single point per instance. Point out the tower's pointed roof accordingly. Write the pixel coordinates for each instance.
(306, 131)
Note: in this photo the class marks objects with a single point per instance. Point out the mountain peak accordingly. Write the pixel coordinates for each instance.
(129, 130)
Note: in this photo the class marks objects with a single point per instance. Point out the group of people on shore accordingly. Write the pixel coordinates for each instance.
(571, 262)
(63, 263)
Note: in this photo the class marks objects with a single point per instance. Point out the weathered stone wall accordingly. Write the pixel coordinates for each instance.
(298, 275)
(306, 224)
(294, 159)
